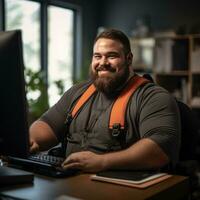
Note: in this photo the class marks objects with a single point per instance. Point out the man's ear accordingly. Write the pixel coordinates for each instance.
(129, 58)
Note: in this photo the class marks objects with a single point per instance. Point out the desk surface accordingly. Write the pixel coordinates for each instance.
(82, 187)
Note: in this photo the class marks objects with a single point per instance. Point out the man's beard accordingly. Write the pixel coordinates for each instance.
(110, 83)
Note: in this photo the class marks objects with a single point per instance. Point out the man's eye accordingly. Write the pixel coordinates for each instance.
(112, 56)
(97, 56)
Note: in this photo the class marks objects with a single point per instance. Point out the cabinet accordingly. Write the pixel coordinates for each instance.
(173, 62)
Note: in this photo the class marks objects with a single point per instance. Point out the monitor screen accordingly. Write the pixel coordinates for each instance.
(13, 113)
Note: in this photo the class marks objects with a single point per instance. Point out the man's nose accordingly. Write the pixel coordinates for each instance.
(103, 61)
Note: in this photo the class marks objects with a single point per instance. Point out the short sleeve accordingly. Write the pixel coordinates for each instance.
(159, 120)
(56, 115)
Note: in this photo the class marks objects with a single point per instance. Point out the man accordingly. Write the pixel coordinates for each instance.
(152, 138)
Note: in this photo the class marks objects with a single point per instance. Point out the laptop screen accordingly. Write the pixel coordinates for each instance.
(13, 113)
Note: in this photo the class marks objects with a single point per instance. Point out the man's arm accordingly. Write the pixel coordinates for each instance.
(42, 136)
(144, 154)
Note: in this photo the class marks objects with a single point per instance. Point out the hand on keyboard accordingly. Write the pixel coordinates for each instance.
(34, 147)
(43, 164)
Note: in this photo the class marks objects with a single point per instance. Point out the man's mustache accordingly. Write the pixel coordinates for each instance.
(105, 68)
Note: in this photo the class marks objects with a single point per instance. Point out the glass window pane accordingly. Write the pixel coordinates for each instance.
(25, 15)
(60, 50)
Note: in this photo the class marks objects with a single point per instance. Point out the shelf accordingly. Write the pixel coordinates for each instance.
(173, 73)
(194, 36)
(176, 37)
(196, 73)
(142, 68)
(175, 62)
(195, 107)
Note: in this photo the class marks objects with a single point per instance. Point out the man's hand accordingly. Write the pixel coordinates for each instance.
(144, 154)
(34, 147)
(85, 161)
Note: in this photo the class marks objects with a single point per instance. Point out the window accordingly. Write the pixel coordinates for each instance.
(27, 16)
(60, 50)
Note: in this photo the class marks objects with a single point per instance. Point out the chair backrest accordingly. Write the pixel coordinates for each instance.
(190, 130)
(190, 126)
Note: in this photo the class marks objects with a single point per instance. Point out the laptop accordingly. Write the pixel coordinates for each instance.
(41, 163)
(14, 135)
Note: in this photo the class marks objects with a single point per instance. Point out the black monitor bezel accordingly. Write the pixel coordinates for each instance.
(14, 138)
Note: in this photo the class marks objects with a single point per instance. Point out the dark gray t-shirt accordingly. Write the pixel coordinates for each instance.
(151, 113)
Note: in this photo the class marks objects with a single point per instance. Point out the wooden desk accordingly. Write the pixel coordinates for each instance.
(80, 186)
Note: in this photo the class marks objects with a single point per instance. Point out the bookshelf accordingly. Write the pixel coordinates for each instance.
(173, 62)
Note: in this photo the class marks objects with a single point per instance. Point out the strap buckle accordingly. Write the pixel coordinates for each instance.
(116, 130)
(66, 135)
(68, 119)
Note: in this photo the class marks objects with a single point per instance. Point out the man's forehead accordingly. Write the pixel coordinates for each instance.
(102, 43)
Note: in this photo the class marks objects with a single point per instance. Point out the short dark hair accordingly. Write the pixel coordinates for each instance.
(118, 35)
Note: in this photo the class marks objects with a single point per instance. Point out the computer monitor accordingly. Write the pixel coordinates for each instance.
(13, 111)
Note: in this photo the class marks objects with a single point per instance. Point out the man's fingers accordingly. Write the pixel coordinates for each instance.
(71, 159)
(34, 147)
(74, 165)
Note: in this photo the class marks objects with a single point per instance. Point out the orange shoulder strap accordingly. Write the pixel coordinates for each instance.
(118, 111)
(85, 96)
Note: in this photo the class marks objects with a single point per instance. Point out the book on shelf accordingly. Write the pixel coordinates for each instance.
(137, 179)
(163, 58)
(171, 55)
(180, 55)
(195, 61)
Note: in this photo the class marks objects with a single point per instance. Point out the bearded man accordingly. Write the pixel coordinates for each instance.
(152, 136)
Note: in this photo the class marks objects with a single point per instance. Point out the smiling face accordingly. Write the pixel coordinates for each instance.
(110, 65)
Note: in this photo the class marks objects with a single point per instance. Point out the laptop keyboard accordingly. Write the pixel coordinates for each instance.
(49, 159)
(42, 164)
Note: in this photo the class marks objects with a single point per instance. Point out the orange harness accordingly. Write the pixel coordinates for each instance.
(117, 116)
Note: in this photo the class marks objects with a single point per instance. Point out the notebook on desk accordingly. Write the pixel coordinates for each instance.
(14, 136)
(136, 179)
